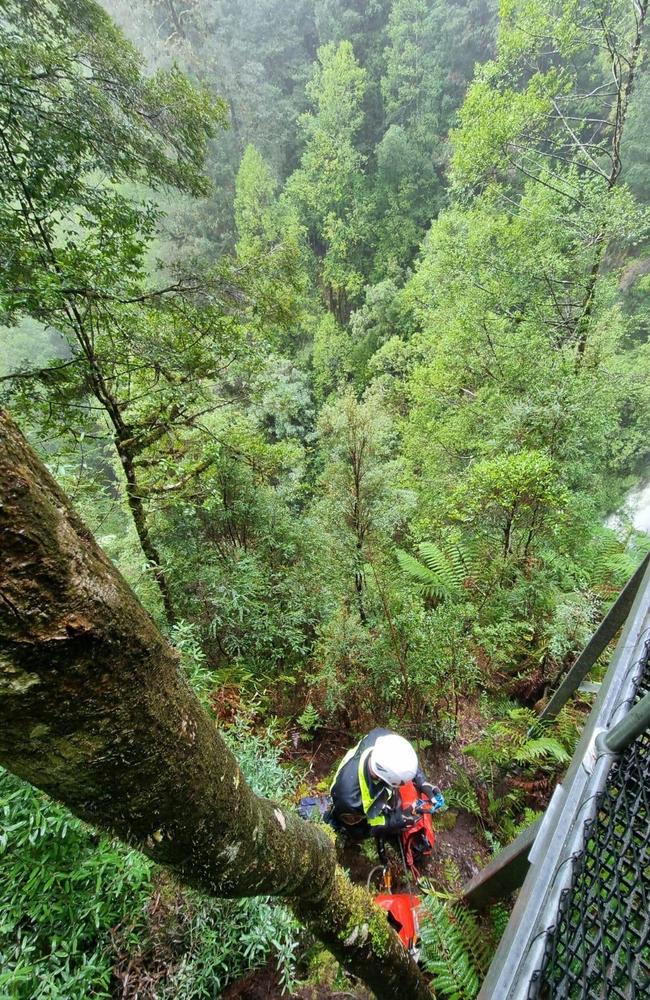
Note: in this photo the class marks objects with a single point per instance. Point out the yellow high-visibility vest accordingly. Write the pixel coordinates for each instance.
(367, 799)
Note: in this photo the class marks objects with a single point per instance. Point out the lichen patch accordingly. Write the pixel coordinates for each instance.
(13, 680)
(359, 935)
(230, 852)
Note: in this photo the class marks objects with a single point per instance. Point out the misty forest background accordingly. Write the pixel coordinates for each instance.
(332, 319)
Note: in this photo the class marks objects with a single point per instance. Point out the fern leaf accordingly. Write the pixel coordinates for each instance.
(543, 748)
(430, 584)
(413, 567)
(459, 564)
(473, 937)
(441, 569)
(452, 950)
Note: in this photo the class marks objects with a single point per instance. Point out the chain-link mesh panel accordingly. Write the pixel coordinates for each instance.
(599, 949)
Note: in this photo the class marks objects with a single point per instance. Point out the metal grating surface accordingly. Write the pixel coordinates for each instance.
(600, 947)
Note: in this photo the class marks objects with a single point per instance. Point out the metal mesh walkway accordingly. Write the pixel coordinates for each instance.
(580, 926)
(600, 946)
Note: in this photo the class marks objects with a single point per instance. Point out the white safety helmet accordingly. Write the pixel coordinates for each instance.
(393, 759)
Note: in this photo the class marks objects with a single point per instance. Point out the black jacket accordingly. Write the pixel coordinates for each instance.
(382, 816)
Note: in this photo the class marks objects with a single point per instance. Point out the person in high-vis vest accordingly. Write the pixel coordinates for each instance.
(365, 802)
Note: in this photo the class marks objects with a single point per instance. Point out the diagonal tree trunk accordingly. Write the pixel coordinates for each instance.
(94, 710)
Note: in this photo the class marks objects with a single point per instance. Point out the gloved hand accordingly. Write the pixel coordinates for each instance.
(398, 820)
(430, 790)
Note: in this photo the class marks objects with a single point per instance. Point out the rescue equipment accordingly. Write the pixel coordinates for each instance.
(415, 843)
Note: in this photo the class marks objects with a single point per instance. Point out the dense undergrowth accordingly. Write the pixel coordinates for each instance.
(83, 915)
(346, 369)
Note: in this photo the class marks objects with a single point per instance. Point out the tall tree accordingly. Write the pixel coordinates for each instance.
(95, 711)
(363, 24)
(72, 244)
(270, 240)
(551, 109)
(329, 185)
(362, 505)
(523, 371)
(261, 74)
(429, 62)
(147, 353)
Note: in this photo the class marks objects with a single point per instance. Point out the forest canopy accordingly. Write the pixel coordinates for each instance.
(331, 319)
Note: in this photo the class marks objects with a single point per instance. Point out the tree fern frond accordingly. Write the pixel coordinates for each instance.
(439, 565)
(460, 563)
(473, 937)
(413, 567)
(526, 716)
(431, 584)
(440, 572)
(543, 748)
(452, 950)
(499, 917)
(463, 798)
(567, 726)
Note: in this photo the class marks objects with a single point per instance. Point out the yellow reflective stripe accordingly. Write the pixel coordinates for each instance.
(349, 755)
(367, 800)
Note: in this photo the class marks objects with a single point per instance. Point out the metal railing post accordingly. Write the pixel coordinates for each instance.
(637, 720)
(599, 641)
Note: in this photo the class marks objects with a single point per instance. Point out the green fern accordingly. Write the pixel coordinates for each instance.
(567, 726)
(463, 798)
(543, 750)
(499, 917)
(455, 949)
(429, 584)
(529, 817)
(439, 574)
(613, 560)
(462, 793)
(442, 567)
(506, 742)
(473, 937)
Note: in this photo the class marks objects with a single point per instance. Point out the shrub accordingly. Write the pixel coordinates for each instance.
(61, 890)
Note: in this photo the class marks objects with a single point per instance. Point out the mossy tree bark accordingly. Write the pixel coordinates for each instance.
(95, 711)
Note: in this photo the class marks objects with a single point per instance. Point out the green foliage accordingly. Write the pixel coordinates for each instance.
(69, 896)
(151, 129)
(456, 948)
(506, 744)
(63, 888)
(572, 624)
(193, 659)
(516, 494)
(145, 352)
(269, 237)
(541, 90)
(259, 755)
(382, 316)
(440, 574)
(513, 764)
(231, 937)
(306, 399)
(462, 795)
(430, 59)
(331, 358)
(328, 185)
(309, 720)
